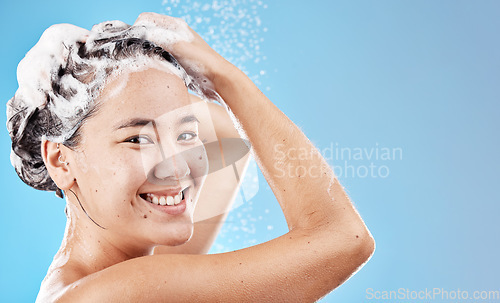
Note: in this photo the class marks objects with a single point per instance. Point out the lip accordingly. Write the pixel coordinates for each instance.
(166, 192)
(170, 209)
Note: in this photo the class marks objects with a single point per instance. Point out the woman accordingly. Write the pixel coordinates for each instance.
(105, 117)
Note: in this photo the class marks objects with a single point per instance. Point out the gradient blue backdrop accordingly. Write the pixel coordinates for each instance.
(422, 76)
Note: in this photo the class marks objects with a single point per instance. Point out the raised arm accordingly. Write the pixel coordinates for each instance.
(327, 241)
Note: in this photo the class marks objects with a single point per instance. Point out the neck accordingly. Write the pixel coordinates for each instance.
(92, 248)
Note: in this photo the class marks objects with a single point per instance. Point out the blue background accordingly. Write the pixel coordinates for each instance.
(421, 76)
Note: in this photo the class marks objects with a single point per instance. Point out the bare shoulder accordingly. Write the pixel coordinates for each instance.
(57, 281)
(156, 278)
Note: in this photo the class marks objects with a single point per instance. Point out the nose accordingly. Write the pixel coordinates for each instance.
(173, 168)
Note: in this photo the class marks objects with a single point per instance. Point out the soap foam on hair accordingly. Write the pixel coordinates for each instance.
(34, 72)
(42, 63)
(62, 76)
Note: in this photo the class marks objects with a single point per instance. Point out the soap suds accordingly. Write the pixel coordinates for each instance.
(73, 98)
(62, 76)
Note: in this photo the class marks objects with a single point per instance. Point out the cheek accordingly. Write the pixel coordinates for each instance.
(81, 162)
(108, 174)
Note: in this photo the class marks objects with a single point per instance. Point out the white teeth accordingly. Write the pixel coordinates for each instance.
(170, 200)
(163, 201)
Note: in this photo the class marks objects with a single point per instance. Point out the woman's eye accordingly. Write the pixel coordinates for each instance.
(139, 140)
(186, 137)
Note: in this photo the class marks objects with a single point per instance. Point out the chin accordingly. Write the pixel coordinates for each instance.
(177, 234)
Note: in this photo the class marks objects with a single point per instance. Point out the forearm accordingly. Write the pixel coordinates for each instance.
(308, 198)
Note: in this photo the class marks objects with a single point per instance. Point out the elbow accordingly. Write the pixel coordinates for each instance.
(368, 247)
(363, 250)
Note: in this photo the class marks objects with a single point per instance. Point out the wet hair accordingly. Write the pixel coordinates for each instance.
(56, 108)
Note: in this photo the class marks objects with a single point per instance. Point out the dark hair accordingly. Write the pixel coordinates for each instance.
(28, 124)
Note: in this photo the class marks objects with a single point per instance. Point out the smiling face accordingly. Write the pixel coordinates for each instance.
(140, 164)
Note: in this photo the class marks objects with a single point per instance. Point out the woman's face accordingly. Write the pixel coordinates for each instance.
(139, 151)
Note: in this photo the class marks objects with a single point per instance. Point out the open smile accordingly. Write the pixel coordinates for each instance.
(168, 202)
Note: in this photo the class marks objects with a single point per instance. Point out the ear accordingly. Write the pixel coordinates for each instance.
(53, 155)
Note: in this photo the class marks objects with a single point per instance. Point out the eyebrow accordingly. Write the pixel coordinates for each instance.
(140, 122)
(136, 122)
(188, 119)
